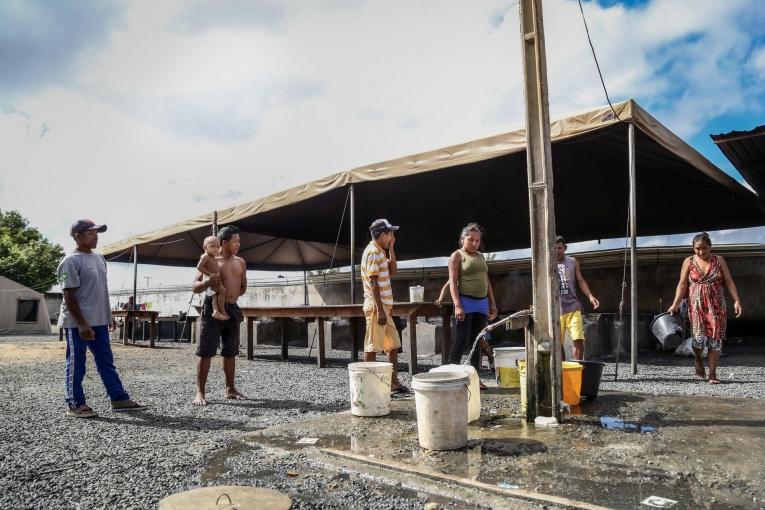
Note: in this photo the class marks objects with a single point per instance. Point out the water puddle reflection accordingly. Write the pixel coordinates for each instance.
(613, 423)
(582, 459)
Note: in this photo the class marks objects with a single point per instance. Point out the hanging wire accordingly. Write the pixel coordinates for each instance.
(337, 238)
(627, 234)
(597, 65)
(624, 286)
(120, 254)
(173, 241)
(127, 269)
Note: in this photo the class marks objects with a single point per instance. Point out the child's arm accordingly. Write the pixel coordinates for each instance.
(202, 265)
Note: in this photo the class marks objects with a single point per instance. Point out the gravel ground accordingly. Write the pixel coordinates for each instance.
(133, 460)
(741, 370)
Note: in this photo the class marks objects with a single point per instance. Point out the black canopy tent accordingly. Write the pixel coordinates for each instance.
(433, 194)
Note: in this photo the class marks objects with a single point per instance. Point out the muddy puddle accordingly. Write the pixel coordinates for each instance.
(617, 453)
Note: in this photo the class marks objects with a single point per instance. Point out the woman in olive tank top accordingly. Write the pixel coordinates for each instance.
(471, 293)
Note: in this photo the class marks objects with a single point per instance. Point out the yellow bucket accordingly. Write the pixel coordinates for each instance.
(572, 383)
(505, 359)
(508, 377)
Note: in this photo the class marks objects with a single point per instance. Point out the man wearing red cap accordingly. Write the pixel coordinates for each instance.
(87, 319)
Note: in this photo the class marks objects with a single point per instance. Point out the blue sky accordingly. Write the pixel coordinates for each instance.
(141, 114)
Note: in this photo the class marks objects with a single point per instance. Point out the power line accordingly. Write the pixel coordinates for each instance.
(597, 65)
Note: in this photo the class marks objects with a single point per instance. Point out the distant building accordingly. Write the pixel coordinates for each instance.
(22, 310)
(53, 301)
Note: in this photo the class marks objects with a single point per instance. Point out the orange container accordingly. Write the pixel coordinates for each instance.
(572, 382)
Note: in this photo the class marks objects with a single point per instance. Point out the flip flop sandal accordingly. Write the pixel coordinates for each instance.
(714, 380)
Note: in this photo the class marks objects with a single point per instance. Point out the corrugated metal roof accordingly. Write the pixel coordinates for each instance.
(746, 150)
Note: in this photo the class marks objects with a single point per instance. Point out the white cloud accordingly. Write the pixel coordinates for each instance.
(204, 15)
(156, 124)
(757, 63)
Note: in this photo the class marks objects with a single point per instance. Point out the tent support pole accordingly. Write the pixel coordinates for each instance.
(135, 292)
(353, 244)
(353, 322)
(215, 223)
(633, 266)
(305, 287)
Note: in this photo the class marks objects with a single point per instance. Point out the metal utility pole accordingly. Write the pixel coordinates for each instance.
(633, 262)
(543, 352)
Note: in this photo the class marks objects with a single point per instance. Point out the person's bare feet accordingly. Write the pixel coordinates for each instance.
(199, 400)
(219, 316)
(700, 373)
(235, 395)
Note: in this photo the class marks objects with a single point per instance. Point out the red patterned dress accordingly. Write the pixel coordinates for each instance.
(706, 302)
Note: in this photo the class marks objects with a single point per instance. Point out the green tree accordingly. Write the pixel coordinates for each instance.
(25, 255)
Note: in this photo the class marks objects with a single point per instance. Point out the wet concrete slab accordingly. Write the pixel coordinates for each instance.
(614, 452)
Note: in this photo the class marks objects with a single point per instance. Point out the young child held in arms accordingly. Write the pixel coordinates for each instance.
(208, 266)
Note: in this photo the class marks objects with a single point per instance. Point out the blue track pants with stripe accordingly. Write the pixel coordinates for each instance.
(75, 365)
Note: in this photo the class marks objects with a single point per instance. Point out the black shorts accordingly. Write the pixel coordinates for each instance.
(214, 333)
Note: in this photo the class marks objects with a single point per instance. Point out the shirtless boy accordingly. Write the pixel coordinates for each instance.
(208, 266)
(214, 333)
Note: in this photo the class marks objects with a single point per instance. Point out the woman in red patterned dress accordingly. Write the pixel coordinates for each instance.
(702, 278)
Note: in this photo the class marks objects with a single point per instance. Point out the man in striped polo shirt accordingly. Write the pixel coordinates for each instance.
(377, 267)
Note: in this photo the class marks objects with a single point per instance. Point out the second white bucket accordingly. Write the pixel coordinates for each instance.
(474, 393)
(370, 387)
(442, 412)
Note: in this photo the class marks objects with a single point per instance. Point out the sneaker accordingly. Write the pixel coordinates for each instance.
(81, 412)
(126, 405)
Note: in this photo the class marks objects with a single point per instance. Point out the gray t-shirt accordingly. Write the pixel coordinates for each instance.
(85, 272)
(569, 301)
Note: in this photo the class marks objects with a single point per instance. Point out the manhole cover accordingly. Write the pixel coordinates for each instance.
(227, 497)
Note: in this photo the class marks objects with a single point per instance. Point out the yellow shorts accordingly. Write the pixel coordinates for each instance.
(380, 338)
(571, 322)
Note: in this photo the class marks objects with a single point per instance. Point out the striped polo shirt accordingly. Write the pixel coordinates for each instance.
(374, 262)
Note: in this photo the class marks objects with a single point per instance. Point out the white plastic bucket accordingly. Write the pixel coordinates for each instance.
(506, 365)
(416, 294)
(474, 395)
(370, 387)
(442, 413)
